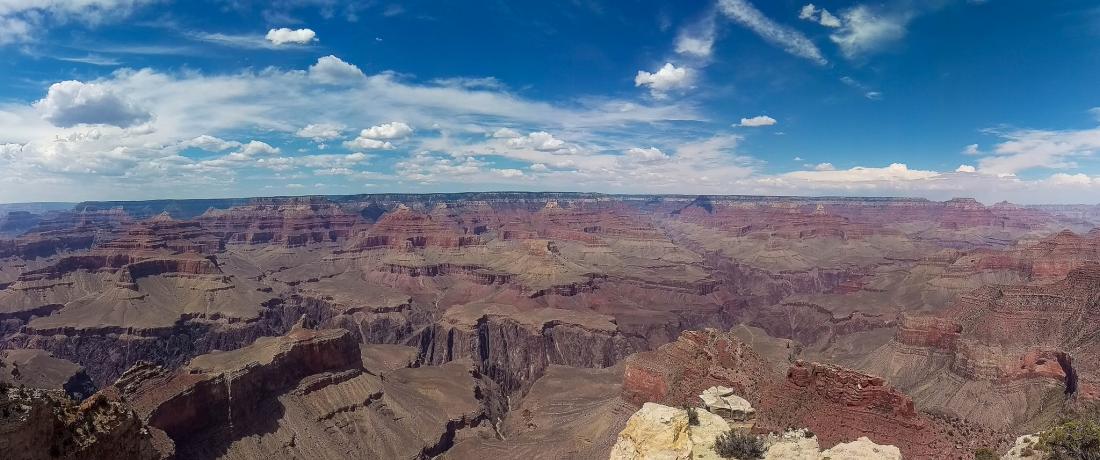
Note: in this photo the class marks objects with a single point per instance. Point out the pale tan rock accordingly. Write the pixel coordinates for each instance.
(862, 449)
(660, 432)
(792, 445)
(1024, 449)
(722, 401)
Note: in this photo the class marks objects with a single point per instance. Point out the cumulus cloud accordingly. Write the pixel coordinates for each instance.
(506, 133)
(211, 143)
(646, 155)
(824, 167)
(333, 71)
(966, 169)
(757, 121)
(70, 103)
(822, 16)
(283, 36)
(370, 144)
(863, 175)
(320, 132)
(787, 38)
(392, 130)
(252, 150)
(667, 78)
(539, 140)
(378, 137)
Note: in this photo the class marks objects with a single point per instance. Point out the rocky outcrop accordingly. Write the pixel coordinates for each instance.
(46, 424)
(677, 372)
(661, 432)
(657, 431)
(850, 388)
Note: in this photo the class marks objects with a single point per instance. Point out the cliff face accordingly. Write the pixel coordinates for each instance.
(202, 392)
(1004, 356)
(308, 394)
(515, 348)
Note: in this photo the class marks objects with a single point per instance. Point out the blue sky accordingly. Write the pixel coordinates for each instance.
(135, 99)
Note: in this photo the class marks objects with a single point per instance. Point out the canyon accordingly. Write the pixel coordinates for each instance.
(536, 324)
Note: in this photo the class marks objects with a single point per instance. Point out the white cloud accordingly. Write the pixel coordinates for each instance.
(506, 133)
(1022, 150)
(538, 167)
(1071, 179)
(971, 149)
(646, 155)
(210, 143)
(369, 144)
(284, 36)
(320, 132)
(862, 175)
(665, 79)
(821, 16)
(392, 130)
(357, 157)
(14, 30)
(757, 121)
(507, 172)
(866, 30)
(539, 140)
(789, 39)
(22, 20)
(966, 169)
(486, 83)
(827, 19)
(377, 137)
(247, 152)
(333, 70)
(146, 159)
(697, 40)
(824, 167)
(70, 103)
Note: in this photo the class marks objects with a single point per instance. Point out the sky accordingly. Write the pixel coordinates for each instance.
(144, 99)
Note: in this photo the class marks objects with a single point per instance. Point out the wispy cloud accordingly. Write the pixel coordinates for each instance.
(93, 59)
(865, 30)
(787, 38)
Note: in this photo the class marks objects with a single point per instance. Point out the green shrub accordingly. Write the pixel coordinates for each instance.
(1072, 440)
(985, 453)
(742, 446)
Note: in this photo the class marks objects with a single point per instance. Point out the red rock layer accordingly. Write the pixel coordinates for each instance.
(288, 223)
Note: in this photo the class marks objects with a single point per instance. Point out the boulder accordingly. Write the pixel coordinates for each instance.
(721, 401)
